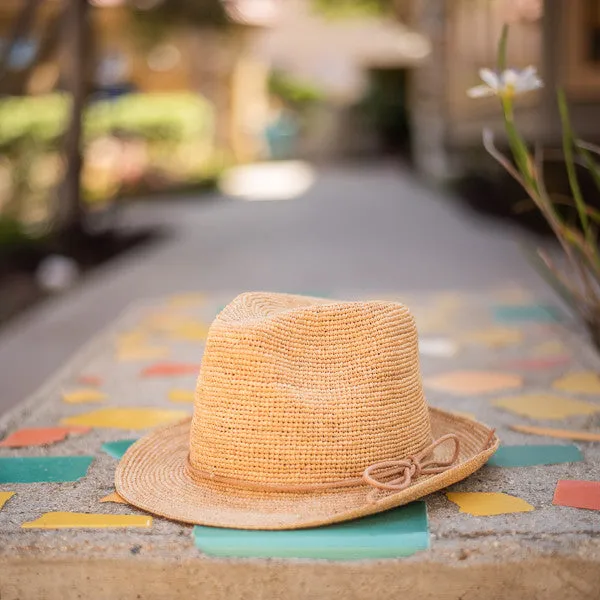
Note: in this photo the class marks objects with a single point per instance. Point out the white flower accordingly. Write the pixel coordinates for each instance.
(507, 84)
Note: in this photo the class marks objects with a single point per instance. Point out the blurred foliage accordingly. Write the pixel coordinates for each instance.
(351, 8)
(42, 119)
(151, 25)
(297, 93)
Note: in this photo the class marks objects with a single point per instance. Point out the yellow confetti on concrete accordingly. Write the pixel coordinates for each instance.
(5, 497)
(84, 396)
(473, 383)
(546, 406)
(139, 353)
(585, 382)
(114, 497)
(126, 418)
(494, 337)
(181, 395)
(71, 520)
(186, 300)
(549, 348)
(485, 504)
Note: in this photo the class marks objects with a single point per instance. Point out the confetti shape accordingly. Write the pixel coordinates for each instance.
(118, 448)
(470, 383)
(440, 347)
(528, 456)
(83, 396)
(495, 337)
(40, 436)
(549, 348)
(186, 300)
(170, 369)
(540, 363)
(563, 434)
(577, 494)
(516, 313)
(114, 497)
(546, 406)
(89, 380)
(181, 395)
(485, 504)
(5, 497)
(399, 532)
(72, 520)
(192, 332)
(586, 382)
(142, 353)
(126, 418)
(43, 469)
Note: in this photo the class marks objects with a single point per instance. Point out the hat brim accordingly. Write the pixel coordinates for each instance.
(152, 476)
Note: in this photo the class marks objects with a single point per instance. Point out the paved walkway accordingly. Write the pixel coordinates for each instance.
(364, 229)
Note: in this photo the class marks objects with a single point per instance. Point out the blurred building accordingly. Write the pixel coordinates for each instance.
(560, 37)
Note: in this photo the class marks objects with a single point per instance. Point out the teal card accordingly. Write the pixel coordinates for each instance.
(44, 469)
(529, 456)
(391, 534)
(518, 313)
(118, 448)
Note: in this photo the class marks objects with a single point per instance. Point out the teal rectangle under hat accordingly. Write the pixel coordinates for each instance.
(43, 469)
(118, 448)
(531, 455)
(392, 534)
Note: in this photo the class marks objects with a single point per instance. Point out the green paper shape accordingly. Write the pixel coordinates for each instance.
(519, 313)
(531, 455)
(118, 448)
(43, 469)
(391, 534)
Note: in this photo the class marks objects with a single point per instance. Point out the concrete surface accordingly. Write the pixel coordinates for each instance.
(357, 233)
(550, 552)
(360, 229)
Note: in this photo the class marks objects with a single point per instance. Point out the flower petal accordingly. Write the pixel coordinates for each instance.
(510, 77)
(488, 76)
(480, 91)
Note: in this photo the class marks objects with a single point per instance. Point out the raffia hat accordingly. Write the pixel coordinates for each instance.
(307, 412)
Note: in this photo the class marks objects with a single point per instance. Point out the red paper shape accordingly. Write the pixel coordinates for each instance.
(40, 436)
(91, 380)
(577, 494)
(532, 364)
(169, 369)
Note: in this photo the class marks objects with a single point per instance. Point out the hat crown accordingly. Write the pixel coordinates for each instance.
(305, 390)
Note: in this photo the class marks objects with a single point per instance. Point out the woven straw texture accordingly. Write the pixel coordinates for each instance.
(297, 391)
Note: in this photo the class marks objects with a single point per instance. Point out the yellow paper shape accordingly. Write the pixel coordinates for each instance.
(181, 395)
(485, 504)
(495, 337)
(186, 300)
(5, 497)
(563, 434)
(142, 353)
(126, 418)
(549, 348)
(135, 337)
(585, 382)
(474, 383)
(68, 520)
(190, 332)
(114, 497)
(84, 395)
(546, 406)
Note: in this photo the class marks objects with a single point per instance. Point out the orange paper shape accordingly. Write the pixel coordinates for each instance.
(40, 436)
(486, 504)
(546, 406)
(89, 380)
(577, 494)
(562, 434)
(114, 497)
(84, 396)
(5, 497)
(170, 369)
(539, 363)
(586, 382)
(470, 383)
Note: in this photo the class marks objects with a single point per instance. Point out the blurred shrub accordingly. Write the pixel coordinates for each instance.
(298, 94)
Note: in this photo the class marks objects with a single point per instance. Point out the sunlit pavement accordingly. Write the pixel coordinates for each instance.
(356, 228)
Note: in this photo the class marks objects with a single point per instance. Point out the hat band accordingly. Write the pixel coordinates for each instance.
(389, 475)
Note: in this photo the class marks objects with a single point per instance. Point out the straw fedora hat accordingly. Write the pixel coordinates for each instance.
(307, 412)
